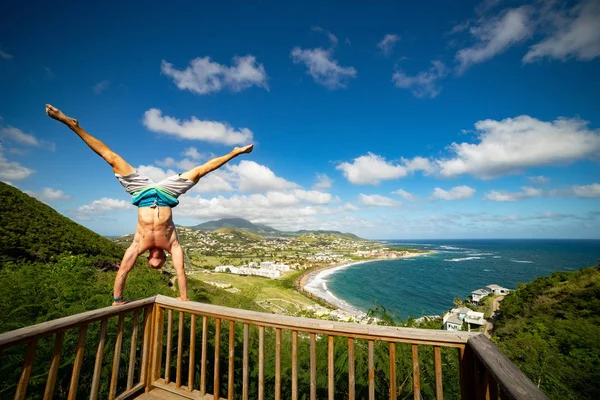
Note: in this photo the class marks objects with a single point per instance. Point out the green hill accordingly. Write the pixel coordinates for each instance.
(264, 230)
(239, 235)
(550, 328)
(32, 230)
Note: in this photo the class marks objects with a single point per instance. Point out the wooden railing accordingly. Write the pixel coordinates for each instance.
(262, 354)
(140, 310)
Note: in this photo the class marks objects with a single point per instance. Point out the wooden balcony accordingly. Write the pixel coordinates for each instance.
(225, 353)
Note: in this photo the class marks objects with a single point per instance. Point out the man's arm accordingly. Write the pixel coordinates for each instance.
(178, 263)
(127, 264)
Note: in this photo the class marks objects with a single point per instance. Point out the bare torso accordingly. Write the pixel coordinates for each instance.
(155, 228)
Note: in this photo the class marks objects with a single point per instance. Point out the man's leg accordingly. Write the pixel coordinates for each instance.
(118, 164)
(195, 174)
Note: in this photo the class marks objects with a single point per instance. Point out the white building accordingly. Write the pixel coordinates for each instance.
(497, 289)
(478, 294)
(227, 268)
(453, 320)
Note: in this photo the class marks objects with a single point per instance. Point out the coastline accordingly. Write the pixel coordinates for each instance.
(313, 284)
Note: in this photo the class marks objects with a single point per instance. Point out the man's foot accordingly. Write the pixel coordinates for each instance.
(180, 299)
(56, 114)
(120, 302)
(245, 149)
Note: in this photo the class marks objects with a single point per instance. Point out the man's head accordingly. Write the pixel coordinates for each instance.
(157, 258)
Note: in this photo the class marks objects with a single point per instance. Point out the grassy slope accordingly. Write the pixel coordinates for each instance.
(32, 230)
(550, 327)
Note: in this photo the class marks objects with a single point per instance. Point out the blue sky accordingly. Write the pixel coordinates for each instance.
(431, 120)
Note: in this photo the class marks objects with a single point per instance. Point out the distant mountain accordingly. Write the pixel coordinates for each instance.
(32, 230)
(263, 230)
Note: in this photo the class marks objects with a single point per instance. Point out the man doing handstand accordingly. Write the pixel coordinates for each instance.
(155, 231)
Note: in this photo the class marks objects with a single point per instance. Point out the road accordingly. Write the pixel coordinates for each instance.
(490, 325)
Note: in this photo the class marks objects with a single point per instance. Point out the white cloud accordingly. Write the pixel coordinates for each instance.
(216, 181)
(101, 206)
(525, 193)
(11, 170)
(6, 56)
(332, 38)
(350, 207)
(406, 195)
(277, 209)
(387, 43)
(323, 182)
(195, 129)
(193, 153)
(183, 165)
(419, 164)
(18, 136)
(574, 34)
(589, 191)
(486, 5)
(514, 144)
(583, 191)
(425, 83)
(49, 194)
(371, 169)
(313, 196)
(204, 76)
(456, 193)
(376, 200)
(538, 180)
(321, 65)
(252, 177)
(101, 86)
(495, 35)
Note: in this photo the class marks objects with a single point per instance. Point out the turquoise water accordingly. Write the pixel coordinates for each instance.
(426, 285)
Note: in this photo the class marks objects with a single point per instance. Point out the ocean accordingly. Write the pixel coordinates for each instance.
(427, 285)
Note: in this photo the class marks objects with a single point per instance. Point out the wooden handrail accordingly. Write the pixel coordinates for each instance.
(515, 385)
(24, 335)
(373, 332)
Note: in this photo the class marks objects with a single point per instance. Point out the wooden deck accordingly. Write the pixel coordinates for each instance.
(156, 340)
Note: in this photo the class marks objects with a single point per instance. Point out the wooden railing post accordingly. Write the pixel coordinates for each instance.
(465, 368)
(26, 371)
(294, 365)
(217, 377)
(116, 359)
(230, 365)
(392, 371)
(159, 321)
(145, 368)
(191, 369)
(179, 350)
(439, 389)
(371, 375)
(133, 349)
(416, 372)
(51, 381)
(169, 345)
(77, 364)
(351, 379)
(277, 364)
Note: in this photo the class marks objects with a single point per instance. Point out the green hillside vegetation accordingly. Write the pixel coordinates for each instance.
(550, 328)
(264, 230)
(31, 230)
(239, 234)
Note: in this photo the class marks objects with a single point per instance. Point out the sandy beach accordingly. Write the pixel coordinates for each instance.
(315, 282)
